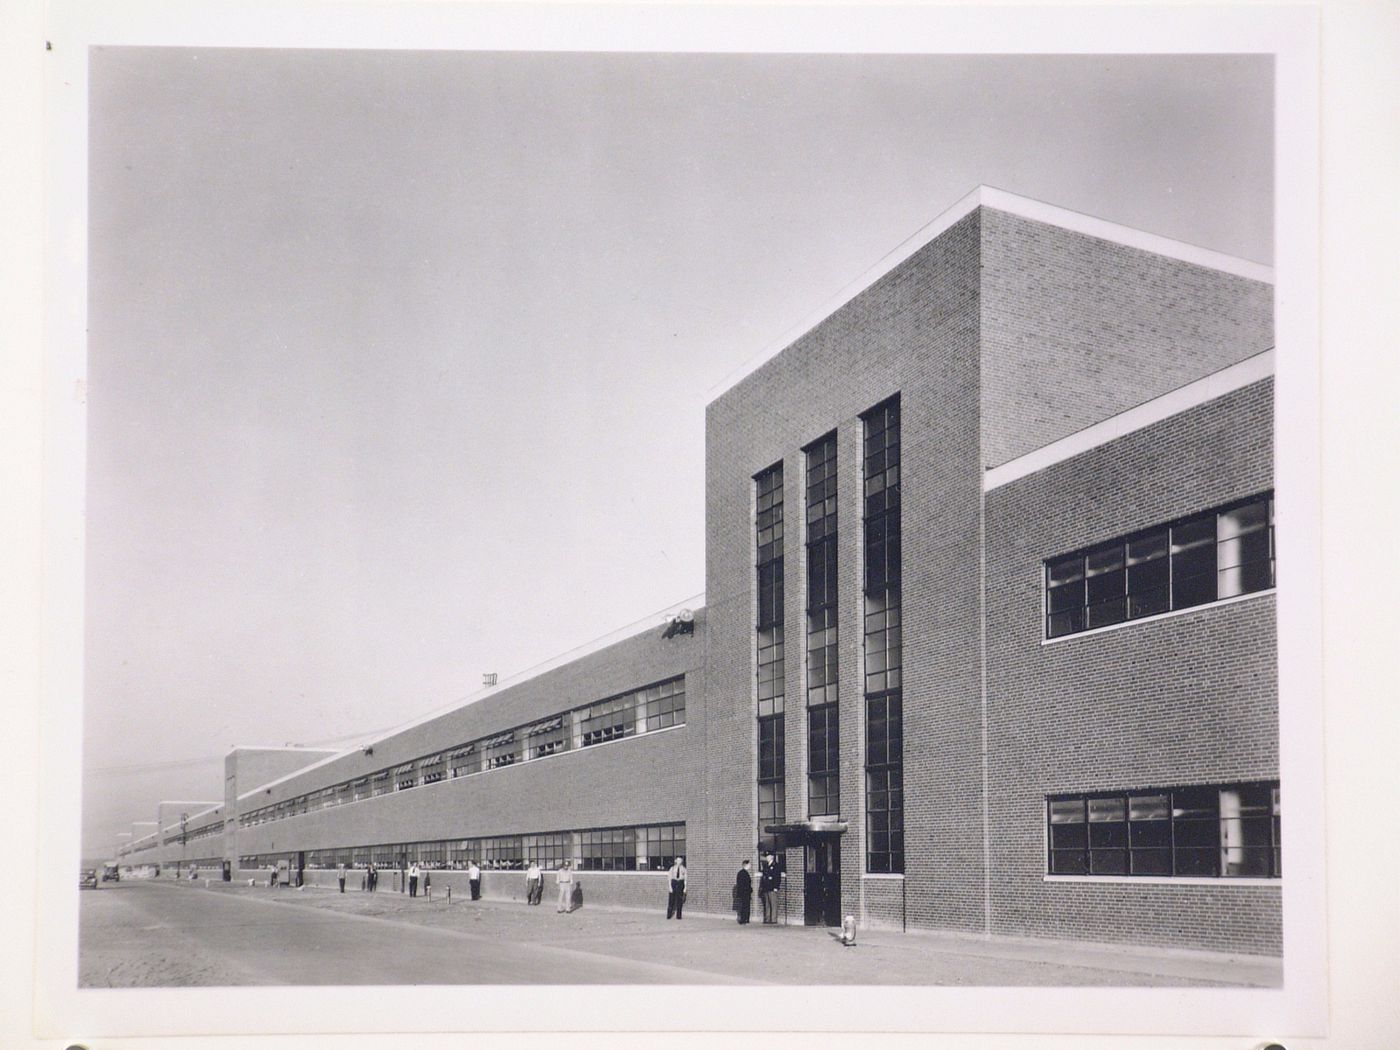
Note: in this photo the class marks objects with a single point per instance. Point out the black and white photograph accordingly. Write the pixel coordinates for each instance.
(715, 521)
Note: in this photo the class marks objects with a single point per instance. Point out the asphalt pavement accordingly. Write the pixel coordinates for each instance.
(161, 934)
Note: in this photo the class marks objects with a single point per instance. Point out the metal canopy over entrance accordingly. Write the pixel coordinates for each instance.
(820, 840)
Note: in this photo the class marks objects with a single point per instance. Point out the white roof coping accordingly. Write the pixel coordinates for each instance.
(632, 630)
(1000, 200)
(1154, 410)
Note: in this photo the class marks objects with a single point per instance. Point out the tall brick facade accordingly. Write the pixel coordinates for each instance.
(1003, 332)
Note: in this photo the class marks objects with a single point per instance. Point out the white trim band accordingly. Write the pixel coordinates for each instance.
(1174, 402)
(1000, 200)
(1169, 614)
(1163, 880)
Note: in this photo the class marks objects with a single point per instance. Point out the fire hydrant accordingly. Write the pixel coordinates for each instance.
(848, 931)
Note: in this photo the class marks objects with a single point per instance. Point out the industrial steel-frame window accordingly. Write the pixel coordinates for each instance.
(502, 853)
(608, 849)
(824, 757)
(659, 845)
(549, 850)
(1201, 831)
(665, 704)
(1218, 554)
(770, 685)
(884, 740)
(883, 637)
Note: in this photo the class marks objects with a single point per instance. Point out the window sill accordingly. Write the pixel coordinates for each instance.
(1161, 880)
(1153, 619)
(882, 876)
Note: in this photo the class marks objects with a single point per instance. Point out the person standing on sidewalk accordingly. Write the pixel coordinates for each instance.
(373, 878)
(675, 902)
(565, 882)
(769, 879)
(474, 878)
(340, 874)
(413, 880)
(743, 893)
(532, 883)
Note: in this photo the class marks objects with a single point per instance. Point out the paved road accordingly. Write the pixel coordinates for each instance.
(153, 934)
(143, 934)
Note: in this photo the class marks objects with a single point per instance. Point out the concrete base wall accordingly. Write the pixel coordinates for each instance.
(640, 889)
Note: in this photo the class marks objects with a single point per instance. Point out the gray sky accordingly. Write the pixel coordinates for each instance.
(398, 361)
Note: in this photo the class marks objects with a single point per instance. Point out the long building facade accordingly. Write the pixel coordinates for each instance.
(987, 645)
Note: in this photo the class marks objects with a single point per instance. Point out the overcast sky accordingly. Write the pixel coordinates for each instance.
(398, 361)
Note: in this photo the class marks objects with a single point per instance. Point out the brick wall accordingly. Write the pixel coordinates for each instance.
(914, 332)
(1189, 698)
(651, 778)
(1075, 329)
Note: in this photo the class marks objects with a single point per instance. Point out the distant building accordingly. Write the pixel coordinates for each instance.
(989, 640)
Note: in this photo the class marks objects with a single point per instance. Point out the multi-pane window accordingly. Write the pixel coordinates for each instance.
(822, 667)
(405, 777)
(502, 853)
(548, 851)
(433, 768)
(665, 704)
(884, 749)
(546, 738)
(608, 720)
(823, 728)
(432, 854)
(464, 760)
(1205, 831)
(659, 846)
(823, 752)
(883, 650)
(771, 691)
(1222, 553)
(500, 751)
(382, 784)
(359, 789)
(608, 849)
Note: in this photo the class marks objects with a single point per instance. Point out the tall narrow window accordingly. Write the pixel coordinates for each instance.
(769, 491)
(823, 726)
(884, 716)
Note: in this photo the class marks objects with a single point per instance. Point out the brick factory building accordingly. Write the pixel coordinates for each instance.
(988, 642)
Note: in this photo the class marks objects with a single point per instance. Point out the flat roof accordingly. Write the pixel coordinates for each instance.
(1014, 204)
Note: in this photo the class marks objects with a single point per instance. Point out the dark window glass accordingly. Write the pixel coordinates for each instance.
(770, 687)
(1202, 559)
(823, 754)
(1204, 831)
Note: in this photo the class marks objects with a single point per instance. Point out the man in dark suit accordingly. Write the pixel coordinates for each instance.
(743, 893)
(769, 879)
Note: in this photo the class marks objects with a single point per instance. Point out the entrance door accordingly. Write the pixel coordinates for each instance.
(821, 883)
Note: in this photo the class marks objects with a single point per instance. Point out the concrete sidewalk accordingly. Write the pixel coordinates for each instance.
(716, 944)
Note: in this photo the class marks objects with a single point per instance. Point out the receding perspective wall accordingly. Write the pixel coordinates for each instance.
(649, 778)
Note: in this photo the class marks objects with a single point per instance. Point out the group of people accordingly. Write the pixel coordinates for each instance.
(770, 880)
(422, 877)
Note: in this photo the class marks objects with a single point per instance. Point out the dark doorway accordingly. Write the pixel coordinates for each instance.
(821, 882)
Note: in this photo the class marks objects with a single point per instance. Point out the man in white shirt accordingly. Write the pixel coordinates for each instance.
(533, 884)
(474, 876)
(675, 903)
(565, 880)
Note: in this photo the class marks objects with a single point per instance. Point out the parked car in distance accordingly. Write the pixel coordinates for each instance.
(110, 872)
(88, 879)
